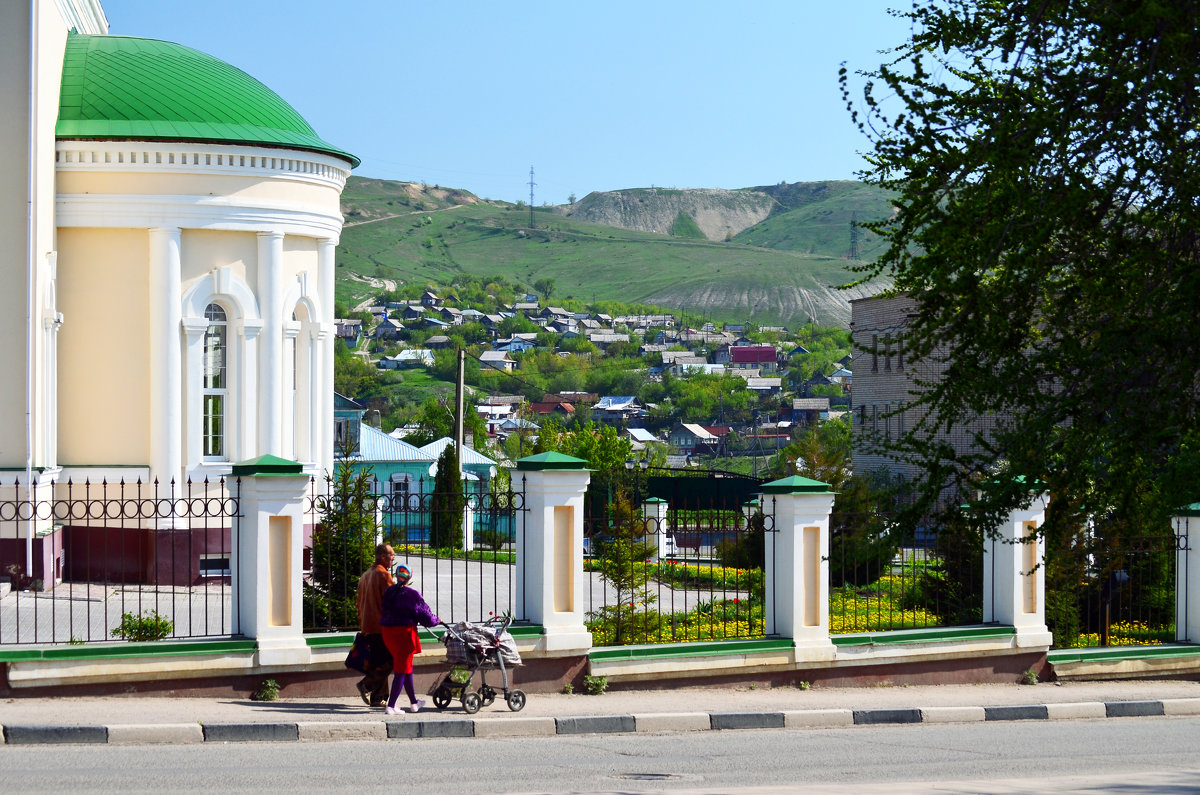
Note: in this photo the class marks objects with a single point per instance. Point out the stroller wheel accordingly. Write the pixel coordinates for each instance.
(487, 694)
(516, 700)
(471, 703)
(441, 697)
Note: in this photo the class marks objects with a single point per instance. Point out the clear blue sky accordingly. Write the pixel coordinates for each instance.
(593, 95)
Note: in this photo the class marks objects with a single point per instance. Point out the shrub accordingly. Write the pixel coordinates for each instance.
(595, 685)
(267, 691)
(147, 626)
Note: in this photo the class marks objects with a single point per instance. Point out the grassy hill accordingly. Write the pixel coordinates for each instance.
(786, 272)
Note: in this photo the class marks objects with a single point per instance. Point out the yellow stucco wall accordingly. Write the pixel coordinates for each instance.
(104, 347)
(202, 250)
(292, 191)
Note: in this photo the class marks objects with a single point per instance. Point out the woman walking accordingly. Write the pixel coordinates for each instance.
(403, 609)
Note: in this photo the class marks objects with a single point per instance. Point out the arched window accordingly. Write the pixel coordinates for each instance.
(215, 382)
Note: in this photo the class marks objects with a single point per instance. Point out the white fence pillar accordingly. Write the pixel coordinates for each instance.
(1014, 577)
(550, 579)
(268, 556)
(1187, 574)
(654, 514)
(797, 564)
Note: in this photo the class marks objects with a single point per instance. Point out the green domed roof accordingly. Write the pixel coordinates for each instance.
(120, 87)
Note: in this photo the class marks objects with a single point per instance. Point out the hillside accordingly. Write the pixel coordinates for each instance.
(411, 233)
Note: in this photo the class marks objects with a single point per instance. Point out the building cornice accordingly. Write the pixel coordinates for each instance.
(220, 160)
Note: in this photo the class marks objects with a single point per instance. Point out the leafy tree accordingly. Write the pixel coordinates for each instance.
(545, 287)
(1043, 156)
(343, 547)
(821, 453)
(446, 519)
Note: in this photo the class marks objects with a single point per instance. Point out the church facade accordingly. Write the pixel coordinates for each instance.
(169, 273)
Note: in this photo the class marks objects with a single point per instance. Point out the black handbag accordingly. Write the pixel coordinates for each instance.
(359, 657)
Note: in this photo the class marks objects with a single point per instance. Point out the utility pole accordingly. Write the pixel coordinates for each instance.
(458, 409)
(854, 235)
(531, 184)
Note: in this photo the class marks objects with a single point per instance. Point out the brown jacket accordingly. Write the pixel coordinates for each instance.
(371, 586)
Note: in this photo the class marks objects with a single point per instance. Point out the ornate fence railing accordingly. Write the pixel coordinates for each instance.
(88, 561)
(463, 554)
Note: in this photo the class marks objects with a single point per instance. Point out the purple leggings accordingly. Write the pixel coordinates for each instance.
(399, 681)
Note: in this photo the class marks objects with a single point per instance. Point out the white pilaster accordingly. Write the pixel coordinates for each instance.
(1186, 524)
(549, 586)
(269, 408)
(193, 330)
(248, 394)
(1014, 577)
(797, 564)
(166, 357)
(323, 395)
(290, 385)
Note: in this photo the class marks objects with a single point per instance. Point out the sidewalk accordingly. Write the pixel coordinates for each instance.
(190, 720)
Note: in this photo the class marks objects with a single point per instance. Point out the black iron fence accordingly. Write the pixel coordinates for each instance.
(105, 561)
(1113, 589)
(461, 548)
(886, 577)
(679, 560)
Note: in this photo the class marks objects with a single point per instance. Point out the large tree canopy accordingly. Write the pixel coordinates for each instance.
(1046, 160)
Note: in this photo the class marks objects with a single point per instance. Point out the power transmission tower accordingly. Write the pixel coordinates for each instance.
(854, 235)
(531, 184)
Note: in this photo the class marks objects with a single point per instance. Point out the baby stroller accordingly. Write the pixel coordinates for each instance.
(479, 647)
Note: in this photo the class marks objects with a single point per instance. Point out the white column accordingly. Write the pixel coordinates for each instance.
(289, 384)
(193, 330)
(797, 564)
(323, 396)
(166, 358)
(1187, 574)
(269, 408)
(550, 580)
(246, 390)
(267, 560)
(1014, 577)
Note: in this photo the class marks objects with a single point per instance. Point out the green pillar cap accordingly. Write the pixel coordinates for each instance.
(270, 466)
(1189, 510)
(796, 485)
(547, 461)
(654, 499)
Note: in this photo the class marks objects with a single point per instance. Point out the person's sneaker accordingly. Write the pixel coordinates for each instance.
(391, 711)
(416, 705)
(364, 693)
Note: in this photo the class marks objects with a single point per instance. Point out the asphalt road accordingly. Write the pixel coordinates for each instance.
(1136, 755)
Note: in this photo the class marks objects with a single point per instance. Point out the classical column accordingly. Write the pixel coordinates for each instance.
(166, 356)
(797, 564)
(270, 355)
(247, 390)
(290, 386)
(193, 330)
(322, 439)
(549, 587)
(1014, 577)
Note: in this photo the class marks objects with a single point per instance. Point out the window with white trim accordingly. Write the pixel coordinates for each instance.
(215, 382)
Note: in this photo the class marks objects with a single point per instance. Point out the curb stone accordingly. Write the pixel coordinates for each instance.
(183, 733)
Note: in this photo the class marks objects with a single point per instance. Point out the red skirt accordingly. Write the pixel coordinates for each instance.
(403, 643)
